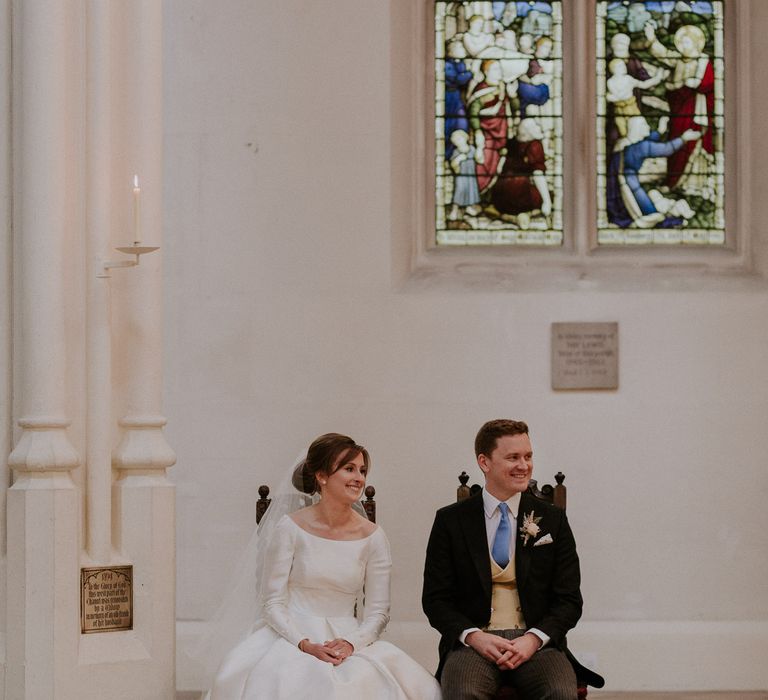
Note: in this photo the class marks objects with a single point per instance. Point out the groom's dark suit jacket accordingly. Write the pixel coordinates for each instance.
(457, 575)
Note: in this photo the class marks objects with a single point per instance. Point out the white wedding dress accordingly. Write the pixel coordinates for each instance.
(310, 591)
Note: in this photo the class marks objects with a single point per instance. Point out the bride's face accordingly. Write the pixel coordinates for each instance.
(347, 482)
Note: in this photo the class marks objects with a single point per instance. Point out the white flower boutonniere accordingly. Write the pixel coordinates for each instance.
(530, 527)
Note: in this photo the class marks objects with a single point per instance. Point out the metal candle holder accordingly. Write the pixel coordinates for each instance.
(136, 249)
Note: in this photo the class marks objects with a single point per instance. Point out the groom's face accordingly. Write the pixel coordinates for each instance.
(509, 467)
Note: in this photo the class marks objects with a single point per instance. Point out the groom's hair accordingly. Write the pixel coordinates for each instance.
(488, 435)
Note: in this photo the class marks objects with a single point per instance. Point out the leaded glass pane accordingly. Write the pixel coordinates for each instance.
(498, 123)
(660, 164)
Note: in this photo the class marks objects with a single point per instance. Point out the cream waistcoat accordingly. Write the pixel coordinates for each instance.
(506, 612)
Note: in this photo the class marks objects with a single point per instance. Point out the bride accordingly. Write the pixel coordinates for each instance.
(322, 578)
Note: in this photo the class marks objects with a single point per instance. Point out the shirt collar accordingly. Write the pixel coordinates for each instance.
(491, 503)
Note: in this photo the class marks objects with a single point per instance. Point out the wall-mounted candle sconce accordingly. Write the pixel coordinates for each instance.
(135, 250)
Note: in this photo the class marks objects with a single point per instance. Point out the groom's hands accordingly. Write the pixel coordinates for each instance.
(505, 653)
(523, 648)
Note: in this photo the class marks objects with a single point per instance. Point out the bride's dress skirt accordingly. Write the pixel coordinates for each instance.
(266, 666)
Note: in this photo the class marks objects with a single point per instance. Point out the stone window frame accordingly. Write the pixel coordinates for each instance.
(579, 263)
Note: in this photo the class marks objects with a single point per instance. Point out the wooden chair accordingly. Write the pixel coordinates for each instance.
(369, 504)
(556, 495)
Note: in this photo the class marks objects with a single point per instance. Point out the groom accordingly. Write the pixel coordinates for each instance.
(501, 581)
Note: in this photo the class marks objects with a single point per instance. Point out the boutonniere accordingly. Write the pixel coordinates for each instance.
(530, 527)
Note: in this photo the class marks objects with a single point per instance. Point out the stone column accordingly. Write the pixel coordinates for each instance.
(143, 497)
(43, 504)
(98, 321)
(87, 116)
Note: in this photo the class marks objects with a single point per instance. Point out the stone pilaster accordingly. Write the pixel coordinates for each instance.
(43, 503)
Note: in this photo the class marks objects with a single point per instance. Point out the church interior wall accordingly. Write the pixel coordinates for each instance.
(282, 322)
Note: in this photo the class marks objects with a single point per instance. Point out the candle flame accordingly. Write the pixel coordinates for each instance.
(136, 181)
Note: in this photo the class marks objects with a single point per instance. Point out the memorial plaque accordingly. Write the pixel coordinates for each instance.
(585, 355)
(106, 599)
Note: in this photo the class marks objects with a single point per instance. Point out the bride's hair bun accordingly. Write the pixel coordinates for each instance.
(303, 478)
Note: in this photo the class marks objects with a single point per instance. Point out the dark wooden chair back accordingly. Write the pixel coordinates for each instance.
(369, 504)
(557, 495)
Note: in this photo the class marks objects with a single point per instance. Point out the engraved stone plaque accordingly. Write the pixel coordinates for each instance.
(585, 355)
(106, 599)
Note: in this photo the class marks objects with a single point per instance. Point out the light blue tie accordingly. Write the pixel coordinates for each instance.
(500, 549)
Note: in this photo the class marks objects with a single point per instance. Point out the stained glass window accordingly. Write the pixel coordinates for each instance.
(499, 123)
(660, 122)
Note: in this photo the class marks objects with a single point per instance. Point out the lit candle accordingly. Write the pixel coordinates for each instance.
(136, 196)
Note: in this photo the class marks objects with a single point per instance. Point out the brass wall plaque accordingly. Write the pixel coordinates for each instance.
(585, 355)
(106, 599)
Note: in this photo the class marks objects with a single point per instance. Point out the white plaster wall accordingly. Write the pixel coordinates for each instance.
(283, 323)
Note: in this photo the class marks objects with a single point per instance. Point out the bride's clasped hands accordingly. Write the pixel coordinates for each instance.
(334, 651)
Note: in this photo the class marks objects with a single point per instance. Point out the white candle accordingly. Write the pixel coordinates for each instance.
(136, 197)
